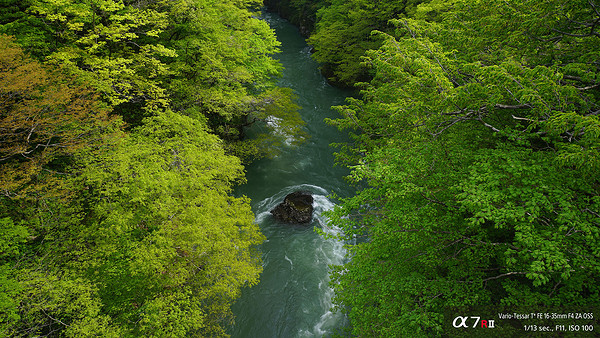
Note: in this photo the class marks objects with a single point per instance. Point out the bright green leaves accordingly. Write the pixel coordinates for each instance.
(225, 69)
(221, 46)
(60, 303)
(416, 241)
(343, 34)
(11, 236)
(583, 132)
(476, 143)
(171, 315)
(205, 56)
(153, 244)
(526, 194)
(133, 233)
(112, 46)
(167, 221)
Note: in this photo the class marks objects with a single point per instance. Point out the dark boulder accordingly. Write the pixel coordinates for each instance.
(296, 208)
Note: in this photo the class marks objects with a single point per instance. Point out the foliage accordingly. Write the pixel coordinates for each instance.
(44, 118)
(166, 229)
(343, 34)
(111, 46)
(224, 70)
(32, 33)
(208, 59)
(149, 242)
(117, 229)
(302, 13)
(477, 139)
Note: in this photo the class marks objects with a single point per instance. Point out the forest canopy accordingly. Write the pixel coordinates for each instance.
(121, 139)
(475, 150)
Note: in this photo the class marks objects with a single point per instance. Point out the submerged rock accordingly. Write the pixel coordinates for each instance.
(296, 208)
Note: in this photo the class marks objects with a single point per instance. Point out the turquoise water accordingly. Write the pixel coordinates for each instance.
(293, 298)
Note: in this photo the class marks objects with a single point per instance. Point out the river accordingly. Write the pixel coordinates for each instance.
(293, 298)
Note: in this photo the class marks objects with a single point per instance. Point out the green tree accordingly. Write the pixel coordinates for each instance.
(111, 45)
(211, 60)
(477, 138)
(170, 248)
(119, 233)
(148, 242)
(343, 35)
(45, 117)
(225, 72)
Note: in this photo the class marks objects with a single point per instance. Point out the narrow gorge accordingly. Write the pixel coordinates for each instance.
(293, 298)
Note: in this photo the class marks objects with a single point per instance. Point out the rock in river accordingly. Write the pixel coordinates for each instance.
(296, 208)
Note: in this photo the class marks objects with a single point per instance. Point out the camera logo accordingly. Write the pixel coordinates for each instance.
(465, 322)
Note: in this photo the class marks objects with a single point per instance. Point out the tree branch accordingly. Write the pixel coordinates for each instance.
(508, 106)
(54, 319)
(504, 275)
(522, 118)
(594, 8)
(588, 87)
(591, 33)
(488, 125)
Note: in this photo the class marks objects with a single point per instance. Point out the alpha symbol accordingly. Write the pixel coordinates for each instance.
(463, 322)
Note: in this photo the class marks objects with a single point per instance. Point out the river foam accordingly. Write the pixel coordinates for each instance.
(312, 255)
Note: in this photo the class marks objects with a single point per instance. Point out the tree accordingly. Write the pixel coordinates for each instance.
(111, 232)
(343, 35)
(113, 46)
(225, 73)
(474, 202)
(44, 118)
(168, 246)
(205, 59)
(149, 241)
